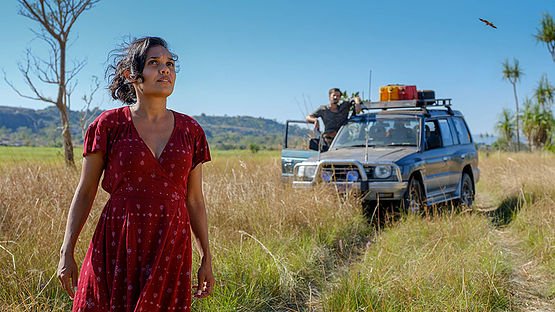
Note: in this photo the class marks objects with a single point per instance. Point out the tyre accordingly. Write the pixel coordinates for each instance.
(414, 201)
(467, 191)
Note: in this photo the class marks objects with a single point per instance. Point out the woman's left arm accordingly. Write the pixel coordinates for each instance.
(199, 225)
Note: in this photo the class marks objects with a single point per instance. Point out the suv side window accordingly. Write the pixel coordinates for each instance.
(445, 130)
(431, 134)
(462, 130)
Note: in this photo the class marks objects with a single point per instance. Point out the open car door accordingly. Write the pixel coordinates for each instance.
(296, 143)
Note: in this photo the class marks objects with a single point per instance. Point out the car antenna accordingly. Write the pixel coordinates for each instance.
(368, 129)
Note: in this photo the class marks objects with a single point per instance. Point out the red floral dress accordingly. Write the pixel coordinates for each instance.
(139, 258)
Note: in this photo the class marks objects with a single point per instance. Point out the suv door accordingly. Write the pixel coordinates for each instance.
(438, 160)
(294, 151)
(433, 158)
(451, 151)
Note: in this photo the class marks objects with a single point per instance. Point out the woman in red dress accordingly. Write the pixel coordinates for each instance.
(139, 258)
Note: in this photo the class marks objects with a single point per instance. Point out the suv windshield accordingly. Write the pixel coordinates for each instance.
(379, 132)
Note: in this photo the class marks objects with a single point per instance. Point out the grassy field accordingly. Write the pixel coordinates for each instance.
(279, 249)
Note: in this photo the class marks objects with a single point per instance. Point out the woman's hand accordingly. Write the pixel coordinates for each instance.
(206, 279)
(68, 274)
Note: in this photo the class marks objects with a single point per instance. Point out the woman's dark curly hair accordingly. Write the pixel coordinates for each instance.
(131, 56)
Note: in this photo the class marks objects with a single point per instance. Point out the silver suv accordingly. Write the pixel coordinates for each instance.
(404, 151)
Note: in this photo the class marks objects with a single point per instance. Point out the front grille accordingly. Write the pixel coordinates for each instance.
(337, 173)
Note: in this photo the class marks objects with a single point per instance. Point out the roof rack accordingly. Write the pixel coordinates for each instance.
(421, 104)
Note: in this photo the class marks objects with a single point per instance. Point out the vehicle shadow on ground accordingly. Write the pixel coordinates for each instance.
(387, 214)
(509, 207)
(501, 215)
(506, 211)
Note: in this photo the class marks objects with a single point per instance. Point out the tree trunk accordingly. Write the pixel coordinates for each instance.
(66, 134)
(517, 120)
(62, 106)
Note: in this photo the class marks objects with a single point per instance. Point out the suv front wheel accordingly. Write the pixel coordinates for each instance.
(414, 201)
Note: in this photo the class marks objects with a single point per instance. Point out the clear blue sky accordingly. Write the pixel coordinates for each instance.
(277, 58)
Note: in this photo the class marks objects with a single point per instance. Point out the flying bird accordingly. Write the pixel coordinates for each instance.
(488, 23)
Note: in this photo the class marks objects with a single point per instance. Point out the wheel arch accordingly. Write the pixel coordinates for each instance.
(418, 175)
(468, 169)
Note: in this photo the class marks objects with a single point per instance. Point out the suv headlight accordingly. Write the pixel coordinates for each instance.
(352, 176)
(306, 171)
(382, 172)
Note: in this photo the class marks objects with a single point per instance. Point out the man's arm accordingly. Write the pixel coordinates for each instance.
(311, 118)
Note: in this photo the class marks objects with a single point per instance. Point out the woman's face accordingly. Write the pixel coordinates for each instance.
(158, 73)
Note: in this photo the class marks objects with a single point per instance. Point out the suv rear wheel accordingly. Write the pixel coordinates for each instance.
(467, 190)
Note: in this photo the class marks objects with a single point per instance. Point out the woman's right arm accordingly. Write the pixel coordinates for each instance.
(79, 210)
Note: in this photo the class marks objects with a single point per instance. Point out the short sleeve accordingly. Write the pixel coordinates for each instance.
(201, 153)
(318, 113)
(96, 137)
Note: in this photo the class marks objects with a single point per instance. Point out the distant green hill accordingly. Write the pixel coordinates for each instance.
(13, 118)
(30, 127)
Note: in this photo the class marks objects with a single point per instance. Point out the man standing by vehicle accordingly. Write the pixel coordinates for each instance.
(334, 115)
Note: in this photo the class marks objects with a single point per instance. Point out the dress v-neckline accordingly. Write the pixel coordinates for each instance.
(150, 151)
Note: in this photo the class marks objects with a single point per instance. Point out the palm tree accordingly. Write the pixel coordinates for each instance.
(505, 127)
(546, 34)
(512, 73)
(545, 93)
(545, 96)
(538, 123)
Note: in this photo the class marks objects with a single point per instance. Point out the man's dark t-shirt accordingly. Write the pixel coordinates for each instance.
(334, 120)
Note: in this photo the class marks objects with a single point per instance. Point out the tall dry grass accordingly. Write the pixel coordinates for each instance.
(524, 190)
(280, 249)
(459, 262)
(33, 209)
(273, 247)
(278, 246)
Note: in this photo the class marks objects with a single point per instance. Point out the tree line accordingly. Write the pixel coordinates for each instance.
(29, 127)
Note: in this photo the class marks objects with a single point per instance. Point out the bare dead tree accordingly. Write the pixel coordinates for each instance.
(86, 114)
(55, 19)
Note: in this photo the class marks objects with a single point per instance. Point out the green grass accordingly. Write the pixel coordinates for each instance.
(270, 274)
(244, 153)
(11, 154)
(443, 264)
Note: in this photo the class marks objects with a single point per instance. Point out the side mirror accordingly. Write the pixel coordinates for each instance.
(313, 144)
